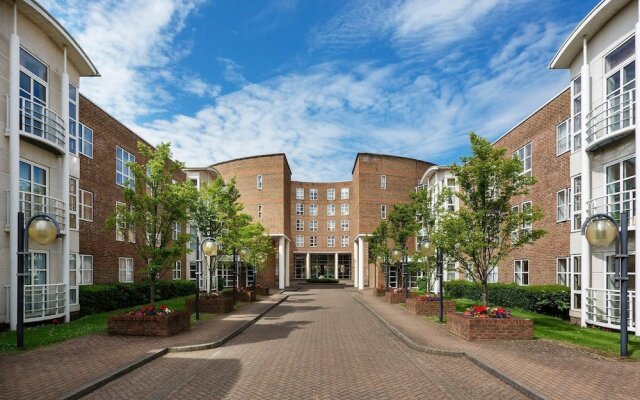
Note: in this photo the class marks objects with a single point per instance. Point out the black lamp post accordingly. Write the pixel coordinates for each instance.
(209, 248)
(601, 230)
(44, 229)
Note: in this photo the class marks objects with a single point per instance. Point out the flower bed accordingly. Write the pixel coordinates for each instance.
(379, 292)
(149, 321)
(211, 304)
(246, 296)
(430, 306)
(397, 296)
(262, 291)
(482, 323)
(413, 295)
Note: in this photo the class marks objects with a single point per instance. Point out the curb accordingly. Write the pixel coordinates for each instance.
(514, 383)
(153, 354)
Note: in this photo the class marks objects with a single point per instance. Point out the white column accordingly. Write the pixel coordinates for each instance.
(14, 164)
(360, 264)
(335, 273)
(355, 264)
(637, 143)
(65, 184)
(287, 272)
(281, 264)
(585, 82)
(307, 264)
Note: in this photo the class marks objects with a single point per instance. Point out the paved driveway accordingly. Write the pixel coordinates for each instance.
(319, 344)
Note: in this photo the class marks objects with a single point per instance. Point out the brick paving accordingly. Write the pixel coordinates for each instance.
(319, 344)
(53, 371)
(552, 370)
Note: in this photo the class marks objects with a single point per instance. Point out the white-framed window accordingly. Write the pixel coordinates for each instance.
(563, 198)
(85, 140)
(576, 112)
(299, 209)
(515, 233)
(620, 186)
(34, 181)
(383, 211)
(383, 182)
(313, 209)
(524, 155)
(331, 194)
(313, 225)
(493, 275)
(344, 242)
(331, 210)
(313, 241)
(576, 203)
(85, 205)
(81, 269)
(344, 224)
(119, 226)
(563, 137)
(259, 182)
(313, 194)
(331, 225)
(73, 203)
(521, 272)
(527, 226)
(73, 118)
(344, 193)
(34, 77)
(344, 209)
(124, 174)
(177, 230)
(125, 269)
(299, 241)
(193, 241)
(563, 273)
(177, 270)
(611, 271)
(259, 211)
(299, 193)
(576, 284)
(73, 278)
(299, 225)
(331, 241)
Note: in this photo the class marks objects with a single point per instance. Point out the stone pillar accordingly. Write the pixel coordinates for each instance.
(586, 181)
(65, 185)
(14, 165)
(281, 264)
(360, 264)
(637, 144)
(307, 265)
(287, 266)
(354, 274)
(335, 274)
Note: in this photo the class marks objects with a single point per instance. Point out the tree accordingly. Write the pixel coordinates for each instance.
(154, 206)
(486, 228)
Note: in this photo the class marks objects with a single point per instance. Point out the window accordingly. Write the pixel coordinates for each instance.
(331, 194)
(119, 224)
(524, 155)
(526, 207)
(576, 285)
(299, 193)
(563, 138)
(259, 211)
(177, 270)
(73, 118)
(611, 272)
(33, 180)
(521, 272)
(331, 241)
(383, 211)
(344, 209)
(259, 182)
(331, 210)
(383, 182)
(344, 193)
(331, 225)
(124, 175)
(620, 55)
(620, 187)
(300, 241)
(85, 205)
(576, 112)
(73, 278)
(493, 275)
(299, 209)
(193, 241)
(562, 205)
(313, 226)
(85, 140)
(313, 241)
(344, 224)
(345, 241)
(313, 209)
(562, 272)
(177, 230)
(515, 233)
(33, 93)
(299, 225)
(313, 194)
(576, 203)
(125, 269)
(620, 87)
(73, 203)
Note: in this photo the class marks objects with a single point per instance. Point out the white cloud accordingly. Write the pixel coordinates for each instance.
(231, 71)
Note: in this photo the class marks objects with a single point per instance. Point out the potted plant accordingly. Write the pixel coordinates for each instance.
(395, 296)
(379, 291)
(213, 303)
(429, 305)
(488, 323)
(149, 321)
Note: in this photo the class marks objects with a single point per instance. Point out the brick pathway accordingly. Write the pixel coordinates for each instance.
(554, 371)
(53, 371)
(319, 344)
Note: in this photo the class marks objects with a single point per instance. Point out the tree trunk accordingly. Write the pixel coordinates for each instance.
(152, 286)
(211, 282)
(485, 293)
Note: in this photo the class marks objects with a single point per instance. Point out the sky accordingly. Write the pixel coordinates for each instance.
(320, 80)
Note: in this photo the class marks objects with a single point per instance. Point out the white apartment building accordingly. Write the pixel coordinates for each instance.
(600, 55)
(40, 70)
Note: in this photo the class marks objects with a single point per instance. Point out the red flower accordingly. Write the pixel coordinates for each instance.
(480, 309)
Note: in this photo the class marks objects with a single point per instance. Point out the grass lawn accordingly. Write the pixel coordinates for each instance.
(594, 339)
(36, 336)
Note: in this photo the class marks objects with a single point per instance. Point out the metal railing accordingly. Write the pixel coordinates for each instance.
(603, 308)
(44, 301)
(613, 204)
(614, 115)
(33, 203)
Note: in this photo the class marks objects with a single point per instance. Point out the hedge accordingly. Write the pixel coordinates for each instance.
(322, 280)
(106, 297)
(551, 300)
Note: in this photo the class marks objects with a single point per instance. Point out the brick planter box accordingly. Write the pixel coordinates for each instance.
(413, 295)
(489, 328)
(149, 325)
(262, 291)
(394, 298)
(430, 308)
(379, 292)
(211, 305)
(246, 296)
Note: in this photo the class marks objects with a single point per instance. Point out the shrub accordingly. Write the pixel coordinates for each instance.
(106, 297)
(551, 300)
(322, 280)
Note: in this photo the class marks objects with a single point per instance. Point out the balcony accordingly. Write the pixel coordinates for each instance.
(603, 308)
(41, 302)
(41, 126)
(610, 120)
(613, 204)
(33, 203)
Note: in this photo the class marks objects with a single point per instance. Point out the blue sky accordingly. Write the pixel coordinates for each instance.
(320, 80)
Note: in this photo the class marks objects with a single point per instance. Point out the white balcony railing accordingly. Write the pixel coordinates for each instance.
(40, 124)
(44, 301)
(615, 115)
(33, 203)
(614, 204)
(603, 308)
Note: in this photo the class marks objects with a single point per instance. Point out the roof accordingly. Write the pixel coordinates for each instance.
(589, 26)
(432, 170)
(256, 156)
(386, 156)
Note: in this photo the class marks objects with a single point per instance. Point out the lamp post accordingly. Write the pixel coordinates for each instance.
(601, 230)
(426, 251)
(244, 254)
(43, 229)
(210, 248)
